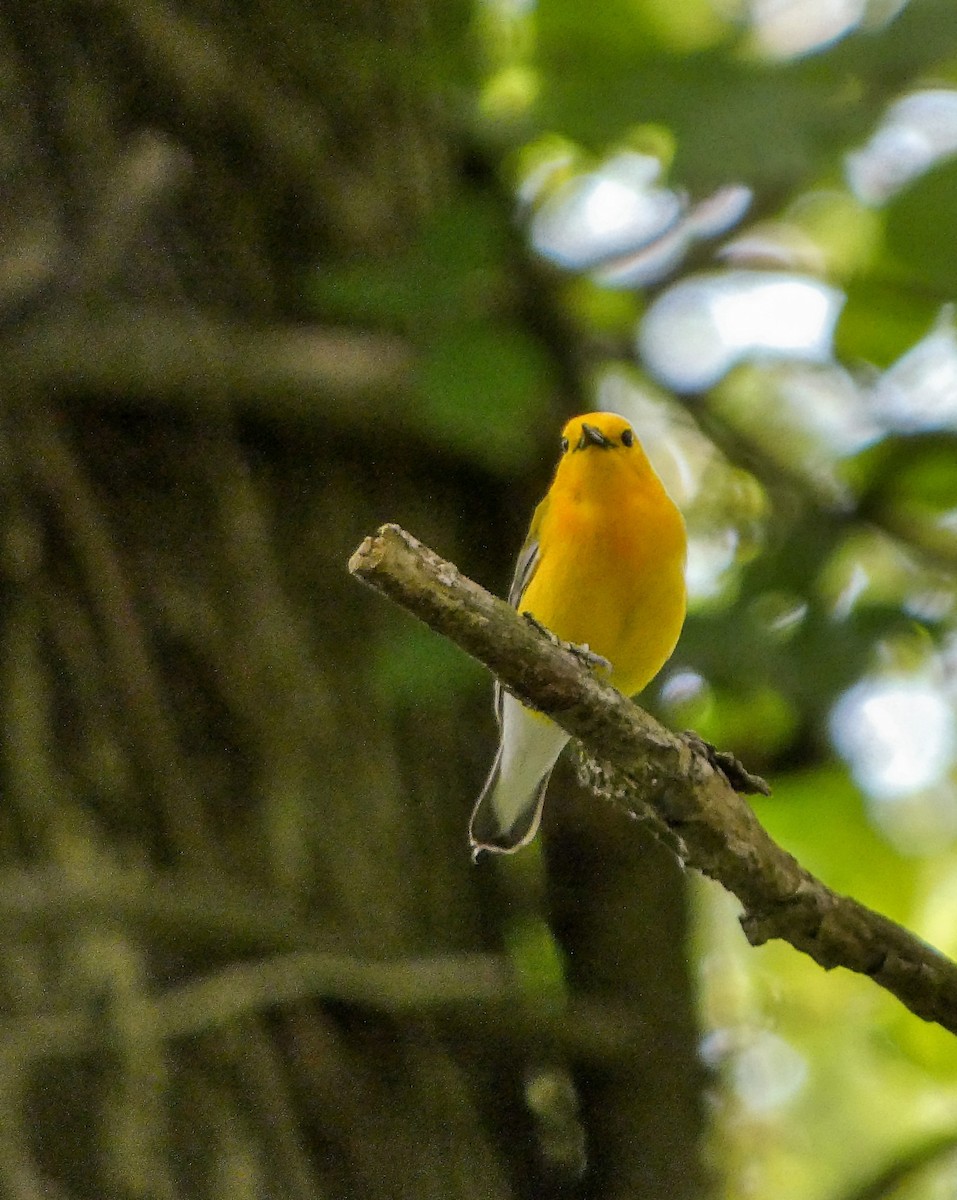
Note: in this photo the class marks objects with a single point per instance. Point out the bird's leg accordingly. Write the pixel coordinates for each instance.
(597, 662)
(593, 661)
(536, 624)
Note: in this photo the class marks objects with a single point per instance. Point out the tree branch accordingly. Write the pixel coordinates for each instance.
(190, 362)
(676, 783)
(477, 993)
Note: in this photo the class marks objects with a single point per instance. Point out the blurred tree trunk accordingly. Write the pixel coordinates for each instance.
(619, 907)
(210, 759)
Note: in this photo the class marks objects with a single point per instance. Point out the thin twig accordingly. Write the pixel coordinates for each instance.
(175, 907)
(476, 993)
(153, 355)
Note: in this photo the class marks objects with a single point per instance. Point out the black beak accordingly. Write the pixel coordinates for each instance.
(592, 437)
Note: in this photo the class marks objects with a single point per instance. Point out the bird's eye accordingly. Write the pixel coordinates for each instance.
(627, 437)
(564, 445)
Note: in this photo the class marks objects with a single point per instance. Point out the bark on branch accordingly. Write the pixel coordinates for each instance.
(677, 783)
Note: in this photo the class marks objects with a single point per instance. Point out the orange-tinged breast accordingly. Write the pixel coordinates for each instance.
(611, 569)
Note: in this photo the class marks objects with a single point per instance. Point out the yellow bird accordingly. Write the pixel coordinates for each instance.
(602, 566)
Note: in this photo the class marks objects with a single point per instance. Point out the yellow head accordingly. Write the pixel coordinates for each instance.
(601, 450)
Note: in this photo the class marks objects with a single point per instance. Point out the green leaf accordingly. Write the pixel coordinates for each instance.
(484, 389)
(415, 668)
(453, 269)
(920, 229)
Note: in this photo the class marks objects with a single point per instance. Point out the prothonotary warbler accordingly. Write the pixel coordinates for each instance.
(603, 566)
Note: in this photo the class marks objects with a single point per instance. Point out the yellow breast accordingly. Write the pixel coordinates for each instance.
(611, 567)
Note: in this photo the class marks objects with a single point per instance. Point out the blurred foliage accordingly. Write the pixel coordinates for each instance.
(930, 263)
(482, 384)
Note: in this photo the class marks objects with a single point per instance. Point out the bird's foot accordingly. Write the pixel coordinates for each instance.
(543, 629)
(594, 662)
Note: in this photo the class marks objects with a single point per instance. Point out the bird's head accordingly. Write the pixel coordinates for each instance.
(601, 445)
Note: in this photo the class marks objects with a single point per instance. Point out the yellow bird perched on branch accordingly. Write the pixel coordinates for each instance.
(602, 566)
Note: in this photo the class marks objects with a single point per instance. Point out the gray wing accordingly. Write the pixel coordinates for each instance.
(525, 568)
